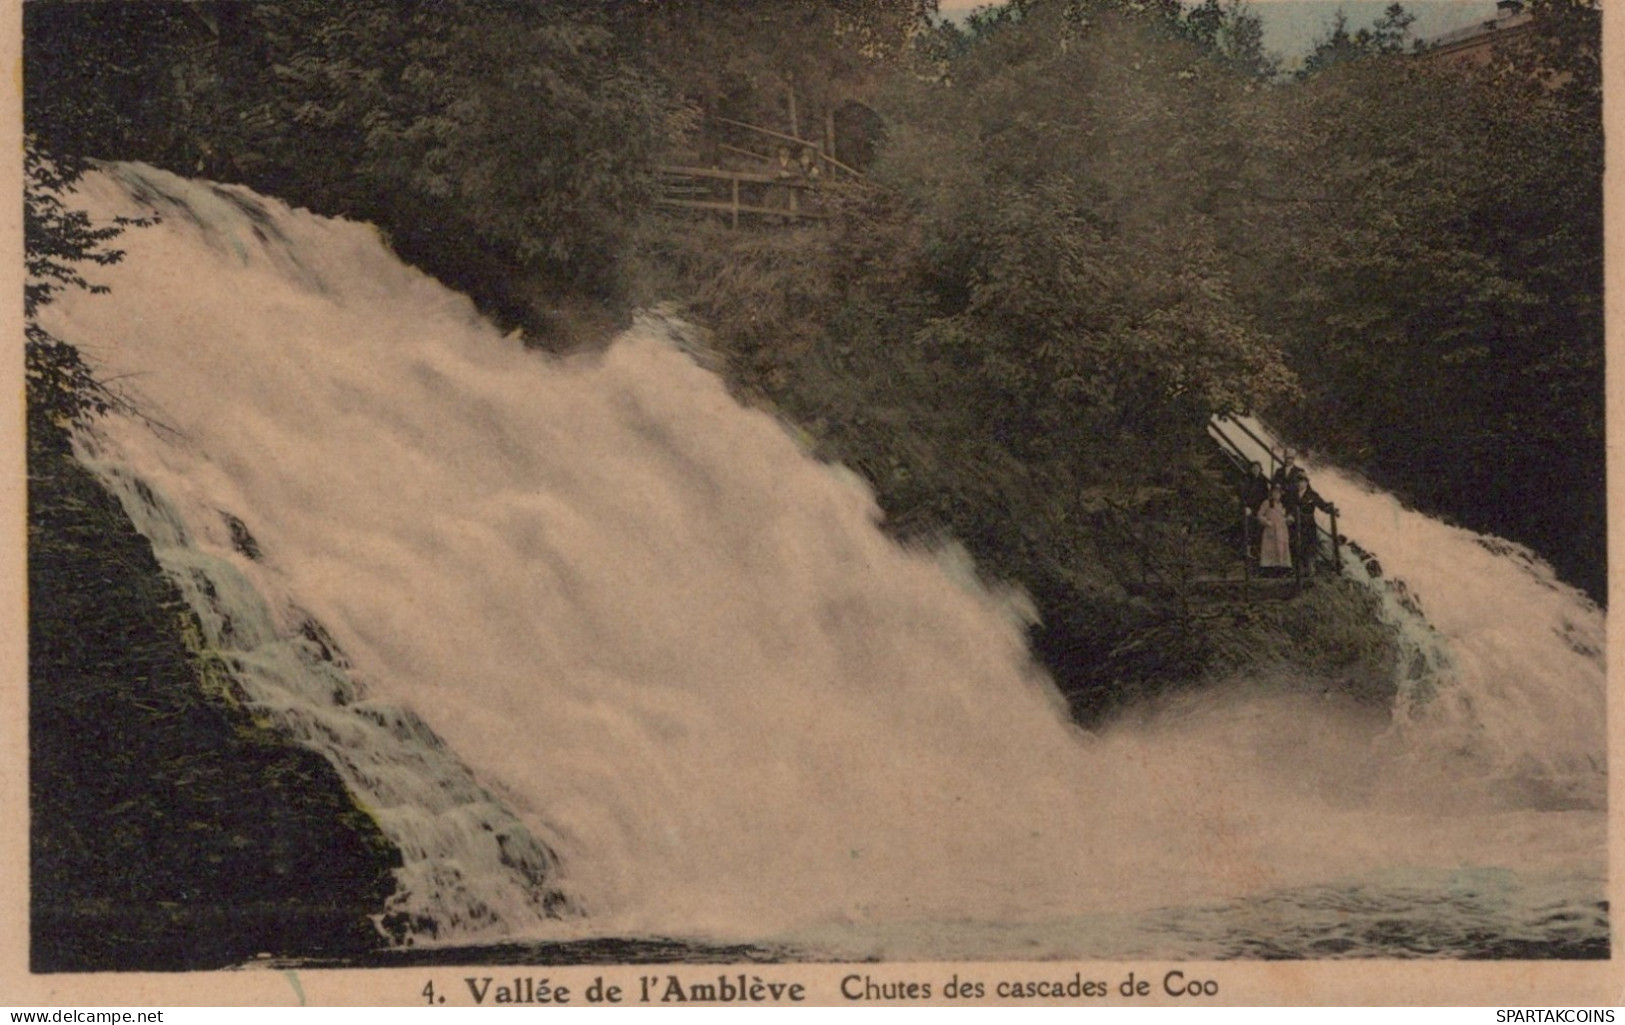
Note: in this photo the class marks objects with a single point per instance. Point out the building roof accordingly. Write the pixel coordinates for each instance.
(1511, 20)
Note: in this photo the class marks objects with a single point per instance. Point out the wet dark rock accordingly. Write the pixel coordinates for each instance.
(241, 539)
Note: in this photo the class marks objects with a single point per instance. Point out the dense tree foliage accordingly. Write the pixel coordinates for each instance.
(58, 241)
(1096, 223)
(506, 146)
(1018, 326)
(1086, 226)
(1388, 35)
(757, 82)
(1432, 257)
(738, 57)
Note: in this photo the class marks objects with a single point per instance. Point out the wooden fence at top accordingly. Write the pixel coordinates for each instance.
(737, 192)
(782, 192)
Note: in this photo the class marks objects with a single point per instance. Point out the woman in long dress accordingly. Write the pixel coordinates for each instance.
(1275, 547)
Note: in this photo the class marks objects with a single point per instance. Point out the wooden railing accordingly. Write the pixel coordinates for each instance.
(721, 192)
(827, 160)
(791, 176)
(1219, 429)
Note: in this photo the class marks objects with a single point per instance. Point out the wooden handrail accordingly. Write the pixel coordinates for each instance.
(742, 151)
(740, 208)
(789, 181)
(1229, 448)
(815, 147)
(1262, 443)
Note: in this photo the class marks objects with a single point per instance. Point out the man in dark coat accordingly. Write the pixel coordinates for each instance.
(1288, 474)
(1255, 488)
(1307, 502)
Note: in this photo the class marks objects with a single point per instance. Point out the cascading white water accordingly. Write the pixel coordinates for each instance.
(468, 864)
(682, 654)
(1505, 674)
(1519, 704)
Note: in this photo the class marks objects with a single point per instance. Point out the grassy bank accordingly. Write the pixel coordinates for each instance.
(168, 831)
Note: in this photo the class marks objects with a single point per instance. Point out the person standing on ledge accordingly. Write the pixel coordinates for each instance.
(1308, 503)
(1288, 473)
(1255, 491)
(1275, 543)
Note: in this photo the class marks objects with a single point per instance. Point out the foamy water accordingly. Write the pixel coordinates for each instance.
(1522, 708)
(680, 654)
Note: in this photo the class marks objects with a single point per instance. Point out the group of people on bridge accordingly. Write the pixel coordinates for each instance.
(1282, 533)
(804, 166)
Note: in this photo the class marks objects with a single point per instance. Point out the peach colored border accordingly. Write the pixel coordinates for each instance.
(1241, 983)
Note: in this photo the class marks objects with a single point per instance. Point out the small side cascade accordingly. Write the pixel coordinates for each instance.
(1502, 669)
(1508, 678)
(470, 867)
(1425, 659)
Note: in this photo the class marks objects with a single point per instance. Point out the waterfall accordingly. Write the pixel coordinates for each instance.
(606, 652)
(1517, 701)
(1503, 670)
(469, 866)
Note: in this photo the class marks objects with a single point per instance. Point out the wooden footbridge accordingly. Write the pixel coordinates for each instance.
(776, 178)
(738, 193)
